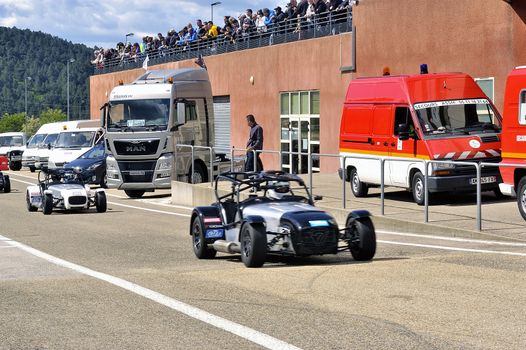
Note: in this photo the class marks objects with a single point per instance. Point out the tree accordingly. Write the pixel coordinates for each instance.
(12, 122)
(52, 115)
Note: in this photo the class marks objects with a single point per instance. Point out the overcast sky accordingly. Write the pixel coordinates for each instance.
(104, 23)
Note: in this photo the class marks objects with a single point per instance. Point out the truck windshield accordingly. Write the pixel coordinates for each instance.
(49, 140)
(146, 114)
(457, 117)
(75, 139)
(36, 140)
(10, 141)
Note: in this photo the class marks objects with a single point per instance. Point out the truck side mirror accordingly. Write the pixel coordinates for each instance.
(48, 146)
(181, 116)
(403, 132)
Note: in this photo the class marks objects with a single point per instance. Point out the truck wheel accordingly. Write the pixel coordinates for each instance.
(253, 245)
(365, 248)
(47, 205)
(30, 207)
(7, 184)
(15, 166)
(32, 169)
(134, 193)
(199, 174)
(417, 187)
(521, 197)
(100, 202)
(359, 189)
(201, 250)
(104, 180)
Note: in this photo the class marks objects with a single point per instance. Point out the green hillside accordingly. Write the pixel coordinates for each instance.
(42, 57)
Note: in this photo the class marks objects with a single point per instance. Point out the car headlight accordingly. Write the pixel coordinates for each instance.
(442, 166)
(94, 166)
(165, 162)
(110, 166)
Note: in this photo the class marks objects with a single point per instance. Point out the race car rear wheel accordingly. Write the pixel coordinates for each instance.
(253, 245)
(47, 204)
(100, 202)
(134, 193)
(30, 206)
(7, 184)
(201, 250)
(364, 248)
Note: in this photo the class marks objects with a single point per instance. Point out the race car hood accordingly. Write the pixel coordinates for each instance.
(474, 147)
(274, 211)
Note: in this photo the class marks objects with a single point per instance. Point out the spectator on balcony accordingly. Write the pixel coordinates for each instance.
(233, 22)
(250, 15)
(189, 37)
(172, 38)
(301, 9)
(320, 7)
(211, 31)
(200, 29)
(247, 28)
(333, 4)
(261, 27)
(279, 16)
(290, 9)
(267, 17)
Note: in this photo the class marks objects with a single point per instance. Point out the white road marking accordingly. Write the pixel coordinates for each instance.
(145, 200)
(483, 251)
(7, 247)
(151, 210)
(22, 181)
(453, 239)
(235, 328)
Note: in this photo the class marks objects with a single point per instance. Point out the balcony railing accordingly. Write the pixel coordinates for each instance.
(325, 24)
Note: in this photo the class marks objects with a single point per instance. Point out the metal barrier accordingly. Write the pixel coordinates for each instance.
(425, 164)
(324, 24)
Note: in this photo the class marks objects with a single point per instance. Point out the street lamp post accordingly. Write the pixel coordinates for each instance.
(126, 38)
(212, 9)
(71, 60)
(25, 94)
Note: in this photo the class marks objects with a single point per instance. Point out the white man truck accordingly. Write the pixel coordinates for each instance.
(144, 121)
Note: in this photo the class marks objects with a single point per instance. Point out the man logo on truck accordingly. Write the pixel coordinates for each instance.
(136, 149)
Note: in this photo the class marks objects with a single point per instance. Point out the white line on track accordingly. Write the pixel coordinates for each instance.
(235, 328)
(483, 251)
(453, 239)
(150, 210)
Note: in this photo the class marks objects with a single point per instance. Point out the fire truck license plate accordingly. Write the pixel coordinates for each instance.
(484, 180)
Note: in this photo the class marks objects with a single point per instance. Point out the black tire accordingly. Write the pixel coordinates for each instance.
(417, 188)
(32, 169)
(365, 248)
(253, 245)
(7, 184)
(47, 204)
(15, 166)
(100, 202)
(359, 189)
(200, 174)
(103, 180)
(134, 193)
(201, 250)
(521, 197)
(30, 207)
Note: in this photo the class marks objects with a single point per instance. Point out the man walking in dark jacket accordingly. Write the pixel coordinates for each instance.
(254, 143)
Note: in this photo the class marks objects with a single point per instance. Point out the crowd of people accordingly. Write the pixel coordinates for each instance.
(296, 14)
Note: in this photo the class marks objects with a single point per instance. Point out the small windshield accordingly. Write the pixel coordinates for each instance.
(142, 114)
(11, 141)
(97, 152)
(457, 116)
(75, 139)
(50, 140)
(36, 140)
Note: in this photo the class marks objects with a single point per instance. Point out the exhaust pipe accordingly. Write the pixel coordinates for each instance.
(226, 247)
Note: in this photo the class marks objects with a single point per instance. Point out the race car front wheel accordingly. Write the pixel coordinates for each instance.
(30, 207)
(201, 250)
(100, 202)
(7, 184)
(47, 205)
(253, 245)
(364, 247)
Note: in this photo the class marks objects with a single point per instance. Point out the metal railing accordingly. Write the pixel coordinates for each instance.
(344, 161)
(324, 24)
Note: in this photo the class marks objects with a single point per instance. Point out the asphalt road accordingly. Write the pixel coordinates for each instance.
(128, 279)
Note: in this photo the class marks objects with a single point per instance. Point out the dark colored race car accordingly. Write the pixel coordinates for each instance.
(92, 162)
(5, 183)
(280, 218)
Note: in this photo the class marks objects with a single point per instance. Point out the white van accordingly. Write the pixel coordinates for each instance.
(38, 147)
(12, 141)
(71, 144)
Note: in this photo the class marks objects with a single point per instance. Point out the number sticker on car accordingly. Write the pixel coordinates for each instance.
(215, 233)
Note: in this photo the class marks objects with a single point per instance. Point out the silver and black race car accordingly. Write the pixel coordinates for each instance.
(5, 183)
(277, 216)
(66, 190)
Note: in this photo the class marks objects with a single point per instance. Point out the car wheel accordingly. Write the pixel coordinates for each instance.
(199, 174)
(253, 245)
(134, 193)
(363, 242)
(7, 184)
(104, 180)
(15, 166)
(359, 189)
(521, 197)
(30, 206)
(47, 205)
(418, 188)
(100, 202)
(200, 247)
(32, 169)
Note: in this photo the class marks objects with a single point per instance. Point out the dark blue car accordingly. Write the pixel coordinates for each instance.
(91, 164)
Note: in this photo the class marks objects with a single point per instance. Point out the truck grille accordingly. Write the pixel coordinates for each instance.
(137, 171)
(136, 148)
(77, 200)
